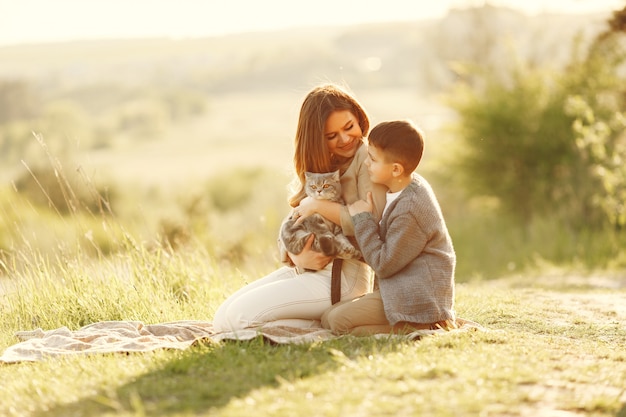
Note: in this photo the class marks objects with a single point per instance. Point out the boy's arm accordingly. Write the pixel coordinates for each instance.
(362, 206)
(405, 240)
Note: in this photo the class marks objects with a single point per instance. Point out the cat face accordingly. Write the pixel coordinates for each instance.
(324, 186)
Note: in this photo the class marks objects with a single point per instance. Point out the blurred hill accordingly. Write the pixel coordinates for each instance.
(412, 55)
(135, 106)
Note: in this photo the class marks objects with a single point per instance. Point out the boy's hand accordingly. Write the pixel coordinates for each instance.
(361, 206)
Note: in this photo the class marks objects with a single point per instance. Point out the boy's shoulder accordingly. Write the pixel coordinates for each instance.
(417, 178)
(419, 183)
(418, 191)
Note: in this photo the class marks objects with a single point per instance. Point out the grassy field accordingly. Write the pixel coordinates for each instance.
(554, 346)
(555, 343)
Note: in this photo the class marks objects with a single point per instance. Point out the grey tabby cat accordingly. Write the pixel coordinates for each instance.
(329, 238)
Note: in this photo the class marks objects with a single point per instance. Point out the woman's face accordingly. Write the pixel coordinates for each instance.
(343, 133)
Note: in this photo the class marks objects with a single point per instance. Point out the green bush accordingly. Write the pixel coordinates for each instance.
(537, 176)
(514, 141)
(52, 187)
(521, 143)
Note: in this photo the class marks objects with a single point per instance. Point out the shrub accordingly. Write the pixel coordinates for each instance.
(521, 140)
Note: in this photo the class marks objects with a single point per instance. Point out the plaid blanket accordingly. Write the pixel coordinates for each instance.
(134, 336)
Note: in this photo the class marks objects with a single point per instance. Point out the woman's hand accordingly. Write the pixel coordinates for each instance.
(306, 208)
(308, 258)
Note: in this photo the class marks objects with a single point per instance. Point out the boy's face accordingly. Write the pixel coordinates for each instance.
(380, 171)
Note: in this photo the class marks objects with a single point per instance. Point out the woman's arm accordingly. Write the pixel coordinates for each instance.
(328, 209)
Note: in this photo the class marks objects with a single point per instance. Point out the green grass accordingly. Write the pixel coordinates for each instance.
(553, 344)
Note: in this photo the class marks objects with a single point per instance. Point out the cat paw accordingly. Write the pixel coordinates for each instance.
(327, 245)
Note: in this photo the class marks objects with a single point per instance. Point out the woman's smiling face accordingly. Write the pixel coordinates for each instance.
(343, 133)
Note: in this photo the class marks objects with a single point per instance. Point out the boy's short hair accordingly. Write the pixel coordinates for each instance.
(401, 141)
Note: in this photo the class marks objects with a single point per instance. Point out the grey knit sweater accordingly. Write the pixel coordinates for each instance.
(412, 254)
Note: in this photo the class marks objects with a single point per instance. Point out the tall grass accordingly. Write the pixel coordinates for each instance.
(77, 266)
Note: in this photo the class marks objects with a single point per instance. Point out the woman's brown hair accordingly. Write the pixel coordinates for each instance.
(311, 151)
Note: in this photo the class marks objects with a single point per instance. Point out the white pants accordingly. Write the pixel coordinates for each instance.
(288, 298)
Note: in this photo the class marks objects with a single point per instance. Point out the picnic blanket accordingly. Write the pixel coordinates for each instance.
(135, 336)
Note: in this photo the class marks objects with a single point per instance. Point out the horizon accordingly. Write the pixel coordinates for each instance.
(76, 20)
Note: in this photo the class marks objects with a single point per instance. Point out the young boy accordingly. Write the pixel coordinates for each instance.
(410, 251)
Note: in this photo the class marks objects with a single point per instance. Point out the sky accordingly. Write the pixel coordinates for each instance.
(37, 21)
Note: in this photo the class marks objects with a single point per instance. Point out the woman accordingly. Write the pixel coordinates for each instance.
(330, 136)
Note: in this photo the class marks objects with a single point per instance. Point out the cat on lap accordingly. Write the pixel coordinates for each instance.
(328, 236)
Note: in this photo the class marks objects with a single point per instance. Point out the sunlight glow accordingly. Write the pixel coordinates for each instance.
(27, 21)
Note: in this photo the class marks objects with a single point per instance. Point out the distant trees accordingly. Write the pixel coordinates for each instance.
(45, 128)
(550, 142)
(92, 116)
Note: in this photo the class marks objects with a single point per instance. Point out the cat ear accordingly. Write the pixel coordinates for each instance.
(336, 175)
